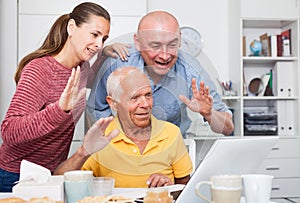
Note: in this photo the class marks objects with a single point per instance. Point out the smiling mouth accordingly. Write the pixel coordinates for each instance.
(142, 114)
(91, 51)
(162, 64)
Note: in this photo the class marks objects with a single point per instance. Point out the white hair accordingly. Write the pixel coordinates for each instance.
(113, 84)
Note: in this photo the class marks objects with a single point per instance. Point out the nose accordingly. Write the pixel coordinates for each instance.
(145, 102)
(99, 43)
(164, 53)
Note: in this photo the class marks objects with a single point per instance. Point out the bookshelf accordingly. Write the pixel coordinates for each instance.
(284, 70)
(277, 114)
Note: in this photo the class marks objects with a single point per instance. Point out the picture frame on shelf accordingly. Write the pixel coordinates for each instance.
(265, 44)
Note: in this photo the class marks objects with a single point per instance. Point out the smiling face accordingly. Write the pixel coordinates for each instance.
(135, 107)
(134, 103)
(158, 40)
(88, 38)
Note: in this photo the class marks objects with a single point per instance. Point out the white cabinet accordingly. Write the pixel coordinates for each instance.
(288, 187)
(284, 164)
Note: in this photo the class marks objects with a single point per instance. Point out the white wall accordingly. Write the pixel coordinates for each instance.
(8, 52)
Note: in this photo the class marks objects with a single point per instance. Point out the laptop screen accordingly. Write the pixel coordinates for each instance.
(228, 156)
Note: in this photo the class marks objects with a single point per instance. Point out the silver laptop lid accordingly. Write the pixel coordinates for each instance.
(228, 156)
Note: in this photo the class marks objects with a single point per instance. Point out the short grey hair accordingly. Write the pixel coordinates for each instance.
(113, 84)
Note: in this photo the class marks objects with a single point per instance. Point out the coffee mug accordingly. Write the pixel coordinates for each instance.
(223, 188)
(77, 184)
(257, 188)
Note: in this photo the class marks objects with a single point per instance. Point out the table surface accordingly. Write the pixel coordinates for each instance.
(134, 192)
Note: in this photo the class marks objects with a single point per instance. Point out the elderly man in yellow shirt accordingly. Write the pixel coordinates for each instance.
(134, 147)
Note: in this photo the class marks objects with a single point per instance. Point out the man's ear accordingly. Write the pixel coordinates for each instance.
(111, 102)
(70, 27)
(137, 42)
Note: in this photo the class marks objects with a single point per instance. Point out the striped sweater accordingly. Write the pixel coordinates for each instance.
(35, 128)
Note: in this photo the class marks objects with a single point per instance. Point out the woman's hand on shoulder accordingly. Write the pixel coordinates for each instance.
(117, 49)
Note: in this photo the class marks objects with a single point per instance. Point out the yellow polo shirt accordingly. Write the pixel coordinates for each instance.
(121, 159)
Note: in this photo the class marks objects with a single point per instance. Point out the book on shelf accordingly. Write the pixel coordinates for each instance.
(272, 40)
(279, 45)
(269, 86)
(244, 45)
(286, 42)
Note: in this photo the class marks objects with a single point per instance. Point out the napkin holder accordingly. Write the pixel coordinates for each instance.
(53, 188)
(36, 182)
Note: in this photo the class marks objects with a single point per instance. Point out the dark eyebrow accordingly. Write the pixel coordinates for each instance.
(98, 32)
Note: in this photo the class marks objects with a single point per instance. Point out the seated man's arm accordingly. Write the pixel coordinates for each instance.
(75, 162)
(181, 166)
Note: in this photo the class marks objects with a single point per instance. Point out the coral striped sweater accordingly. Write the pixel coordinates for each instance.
(35, 128)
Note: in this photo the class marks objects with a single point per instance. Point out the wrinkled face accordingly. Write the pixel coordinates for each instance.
(159, 49)
(88, 38)
(135, 106)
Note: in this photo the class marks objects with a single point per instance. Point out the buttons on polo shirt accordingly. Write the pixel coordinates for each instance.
(135, 150)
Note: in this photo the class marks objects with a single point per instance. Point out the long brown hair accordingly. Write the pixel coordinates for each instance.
(58, 34)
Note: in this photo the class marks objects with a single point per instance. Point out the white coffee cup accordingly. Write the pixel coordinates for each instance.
(257, 188)
(103, 186)
(224, 189)
(77, 184)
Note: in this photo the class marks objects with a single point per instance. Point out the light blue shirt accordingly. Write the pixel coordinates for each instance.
(167, 105)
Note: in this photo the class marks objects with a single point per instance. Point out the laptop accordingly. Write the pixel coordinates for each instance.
(228, 156)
